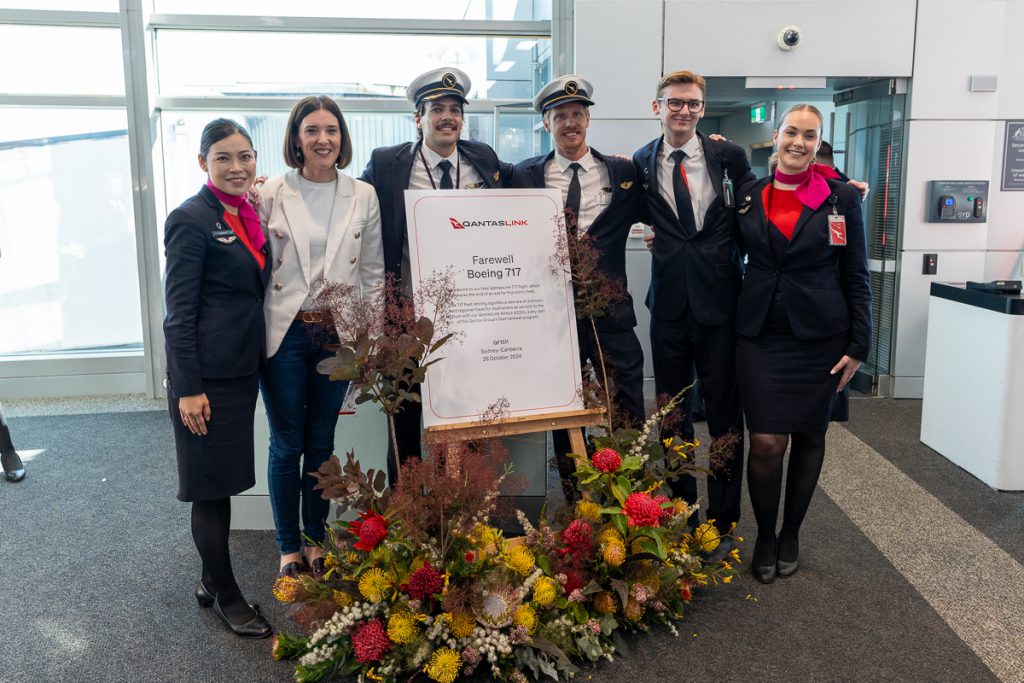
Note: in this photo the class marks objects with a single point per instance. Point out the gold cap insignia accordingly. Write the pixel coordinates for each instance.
(448, 80)
(626, 185)
(497, 175)
(571, 87)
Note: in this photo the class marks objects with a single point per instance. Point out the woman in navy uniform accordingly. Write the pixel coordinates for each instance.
(804, 327)
(216, 276)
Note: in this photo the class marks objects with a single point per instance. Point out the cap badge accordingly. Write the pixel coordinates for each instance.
(571, 87)
(448, 80)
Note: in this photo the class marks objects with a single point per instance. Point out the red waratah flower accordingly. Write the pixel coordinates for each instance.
(573, 581)
(470, 557)
(371, 530)
(641, 510)
(578, 534)
(606, 460)
(666, 512)
(370, 641)
(424, 582)
(685, 592)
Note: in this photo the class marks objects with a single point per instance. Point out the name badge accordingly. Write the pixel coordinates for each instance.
(224, 236)
(837, 230)
(727, 191)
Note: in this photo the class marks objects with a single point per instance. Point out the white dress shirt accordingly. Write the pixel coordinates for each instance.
(595, 187)
(698, 180)
(463, 175)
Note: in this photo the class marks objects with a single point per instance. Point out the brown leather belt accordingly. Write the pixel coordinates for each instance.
(312, 317)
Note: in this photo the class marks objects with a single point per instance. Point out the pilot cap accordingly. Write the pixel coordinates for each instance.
(443, 82)
(570, 88)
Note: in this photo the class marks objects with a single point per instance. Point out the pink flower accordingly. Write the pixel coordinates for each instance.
(606, 460)
(641, 510)
(424, 582)
(371, 530)
(370, 641)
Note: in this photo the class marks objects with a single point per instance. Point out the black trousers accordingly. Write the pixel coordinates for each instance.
(624, 359)
(680, 346)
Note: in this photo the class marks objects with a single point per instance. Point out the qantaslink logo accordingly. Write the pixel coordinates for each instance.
(500, 223)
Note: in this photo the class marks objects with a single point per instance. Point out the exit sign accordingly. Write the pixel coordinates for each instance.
(759, 113)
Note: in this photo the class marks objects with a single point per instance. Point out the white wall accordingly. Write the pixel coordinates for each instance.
(624, 46)
(956, 134)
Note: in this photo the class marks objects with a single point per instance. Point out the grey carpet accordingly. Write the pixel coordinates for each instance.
(97, 567)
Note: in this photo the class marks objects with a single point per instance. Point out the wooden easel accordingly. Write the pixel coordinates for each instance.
(572, 420)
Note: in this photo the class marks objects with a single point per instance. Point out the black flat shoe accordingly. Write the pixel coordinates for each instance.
(318, 567)
(763, 564)
(789, 558)
(15, 476)
(205, 598)
(293, 569)
(256, 628)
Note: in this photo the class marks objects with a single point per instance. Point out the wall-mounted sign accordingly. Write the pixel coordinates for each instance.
(1013, 157)
(759, 112)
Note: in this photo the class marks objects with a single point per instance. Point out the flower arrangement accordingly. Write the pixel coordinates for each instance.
(423, 582)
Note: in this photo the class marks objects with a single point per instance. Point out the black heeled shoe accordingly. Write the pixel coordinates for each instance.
(205, 598)
(14, 476)
(789, 558)
(763, 565)
(14, 468)
(256, 628)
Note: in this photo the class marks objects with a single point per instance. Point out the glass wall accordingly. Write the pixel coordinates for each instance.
(82, 202)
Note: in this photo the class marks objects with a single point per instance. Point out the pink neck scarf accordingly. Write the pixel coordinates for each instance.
(245, 211)
(812, 188)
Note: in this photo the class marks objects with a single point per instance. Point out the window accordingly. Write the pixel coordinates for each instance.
(532, 10)
(61, 60)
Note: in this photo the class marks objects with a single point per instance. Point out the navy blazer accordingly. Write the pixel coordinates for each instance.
(827, 290)
(609, 230)
(690, 269)
(214, 298)
(389, 170)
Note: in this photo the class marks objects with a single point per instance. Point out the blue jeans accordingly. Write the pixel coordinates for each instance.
(302, 409)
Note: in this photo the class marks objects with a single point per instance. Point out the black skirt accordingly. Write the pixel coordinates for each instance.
(220, 464)
(784, 381)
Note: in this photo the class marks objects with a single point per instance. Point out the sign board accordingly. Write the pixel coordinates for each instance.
(759, 112)
(1013, 157)
(513, 311)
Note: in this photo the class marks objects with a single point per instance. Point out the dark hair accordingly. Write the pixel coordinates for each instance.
(217, 130)
(302, 109)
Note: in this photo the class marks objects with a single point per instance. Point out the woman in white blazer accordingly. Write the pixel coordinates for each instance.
(322, 226)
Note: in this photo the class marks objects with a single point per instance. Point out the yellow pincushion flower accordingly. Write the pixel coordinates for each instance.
(707, 537)
(588, 510)
(526, 617)
(614, 553)
(341, 598)
(605, 602)
(545, 590)
(679, 506)
(609, 533)
(331, 561)
(288, 589)
(462, 624)
(634, 610)
(402, 628)
(444, 665)
(374, 584)
(520, 560)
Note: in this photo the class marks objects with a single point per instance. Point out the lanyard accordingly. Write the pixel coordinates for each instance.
(430, 176)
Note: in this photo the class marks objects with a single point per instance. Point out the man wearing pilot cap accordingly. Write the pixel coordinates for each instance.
(601, 198)
(438, 160)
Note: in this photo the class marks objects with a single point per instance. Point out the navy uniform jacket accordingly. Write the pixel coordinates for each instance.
(609, 230)
(214, 297)
(695, 270)
(389, 170)
(826, 289)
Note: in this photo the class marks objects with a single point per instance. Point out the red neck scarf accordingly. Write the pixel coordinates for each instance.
(245, 211)
(811, 186)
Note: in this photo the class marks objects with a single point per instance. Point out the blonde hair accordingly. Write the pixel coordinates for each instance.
(682, 78)
(804, 107)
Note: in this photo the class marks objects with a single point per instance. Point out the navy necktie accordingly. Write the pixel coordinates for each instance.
(572, 199)
(446, 177)
(682, 193)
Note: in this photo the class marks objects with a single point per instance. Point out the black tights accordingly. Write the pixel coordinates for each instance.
(211, 522)
(764, 478)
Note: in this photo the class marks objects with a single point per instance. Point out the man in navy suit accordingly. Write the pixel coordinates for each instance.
(602, 199)
(438, 160)
(696, 272)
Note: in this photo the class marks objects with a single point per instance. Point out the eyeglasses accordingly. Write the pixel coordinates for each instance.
(673, 104)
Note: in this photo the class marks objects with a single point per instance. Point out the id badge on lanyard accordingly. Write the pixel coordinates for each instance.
(836, 228)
